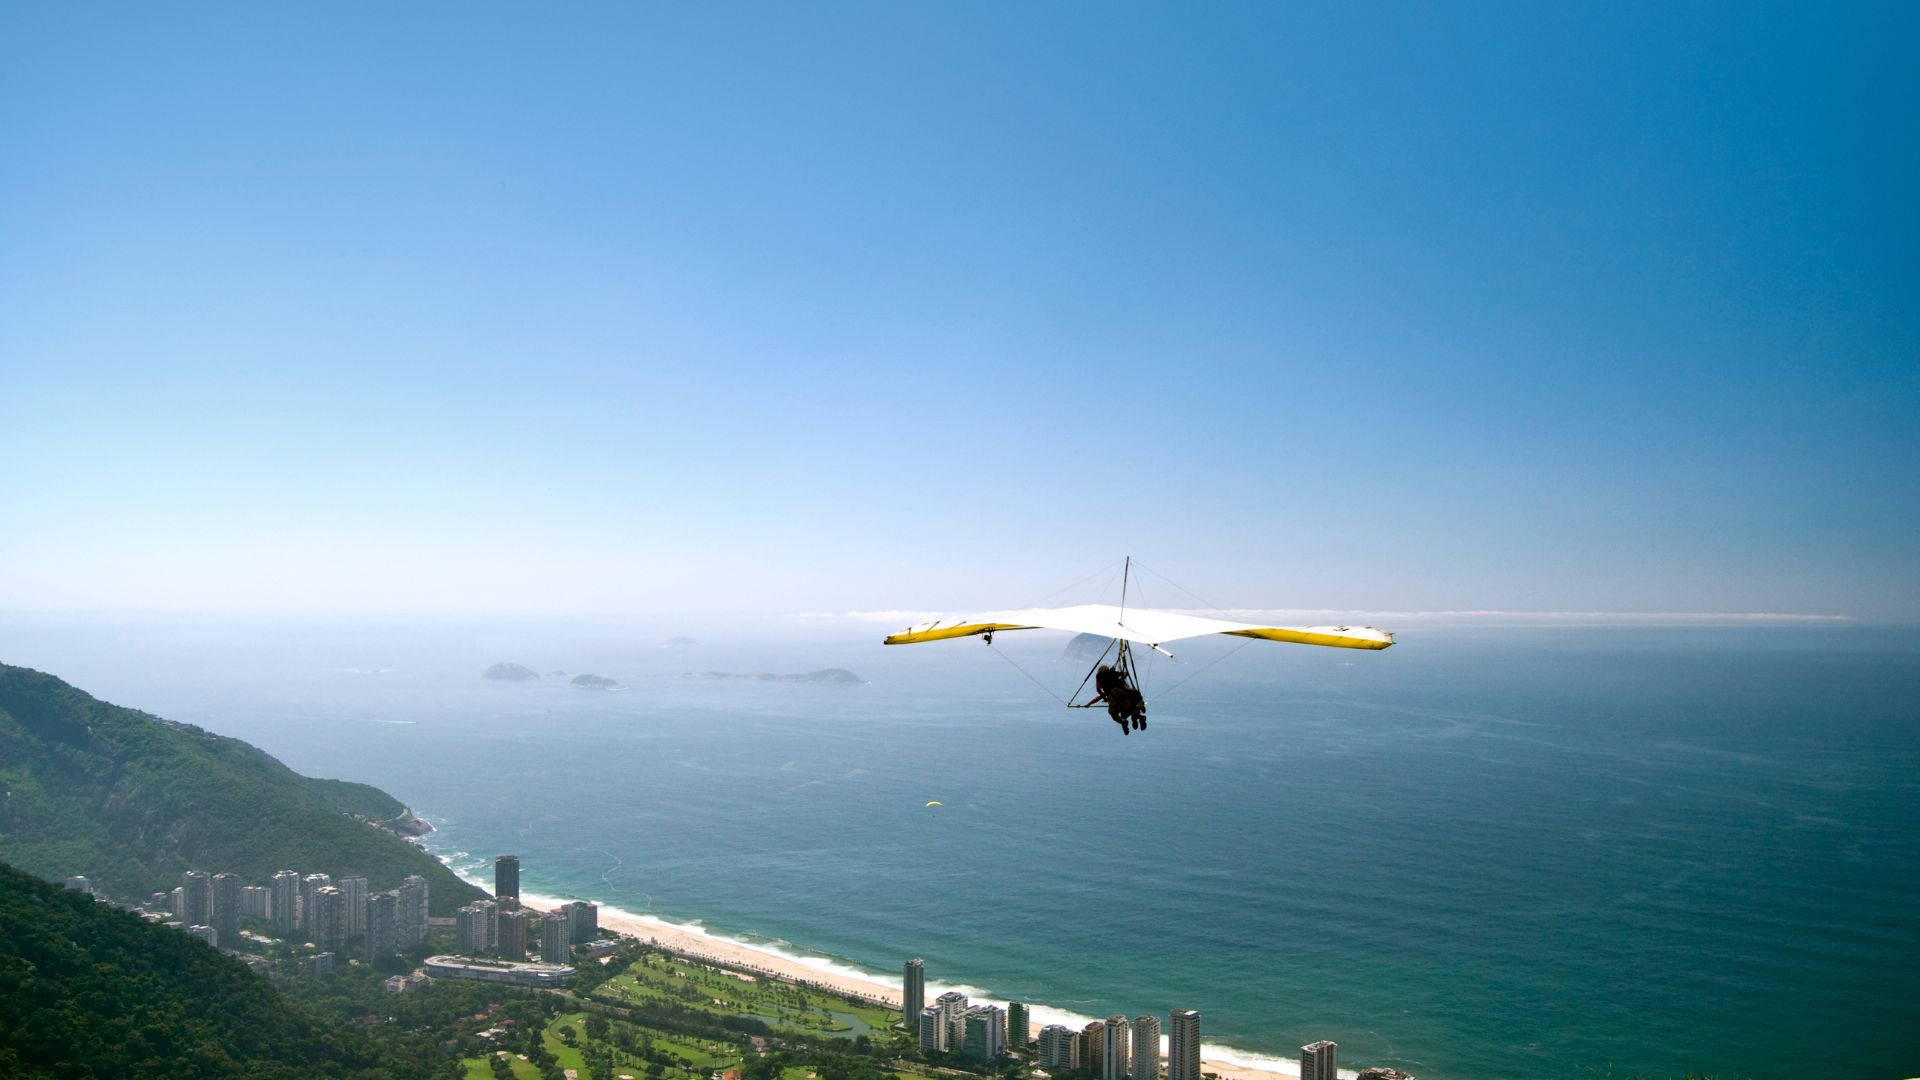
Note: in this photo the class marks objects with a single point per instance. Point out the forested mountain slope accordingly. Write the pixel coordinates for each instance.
(131, 800)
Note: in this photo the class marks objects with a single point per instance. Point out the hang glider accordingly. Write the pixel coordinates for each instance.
(1141, 626)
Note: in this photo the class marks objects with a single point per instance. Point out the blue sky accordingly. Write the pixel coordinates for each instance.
(636, 308)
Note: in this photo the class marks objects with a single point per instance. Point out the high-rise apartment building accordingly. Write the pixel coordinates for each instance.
(933, 1029)
(328, 926)
(1146, 1048)
(1017, 1035)
(206, 933)
(253, 901)
(506, 881)
(413, 912)
(383, 925)
(353, 892)
(1183, 1045)
(224, 908)
(1320, 1060)
(556, 937)
(177, 904)
(197, 885)
(953, 1009)
(79, 883)
(1113, 1048)
(309, 885)
(583, 920)
(1093, 1049)
(513, 935)
(913, 989)
(986, 1033)
(1059, 1048)
(478, 926)
(281, 905)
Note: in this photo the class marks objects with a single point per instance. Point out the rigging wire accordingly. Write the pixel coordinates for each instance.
(1103, 570)
(1203, 601)
(1028, 674)
(1162, 695)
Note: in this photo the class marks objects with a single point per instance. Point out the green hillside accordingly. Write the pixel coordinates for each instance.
(89, 990)
(131, 801)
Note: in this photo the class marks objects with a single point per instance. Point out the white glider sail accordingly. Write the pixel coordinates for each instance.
(1143, 626)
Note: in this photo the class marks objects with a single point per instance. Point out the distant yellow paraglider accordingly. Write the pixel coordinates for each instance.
(936, 802)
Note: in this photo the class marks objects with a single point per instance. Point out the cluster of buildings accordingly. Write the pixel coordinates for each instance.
(1112, 1049)
(336, 916)
(501, 927)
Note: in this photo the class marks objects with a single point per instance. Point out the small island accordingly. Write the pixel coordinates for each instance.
(505, 672)
(596, 682)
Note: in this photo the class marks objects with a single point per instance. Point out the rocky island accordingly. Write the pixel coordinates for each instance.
(505, 672)
(596, 682)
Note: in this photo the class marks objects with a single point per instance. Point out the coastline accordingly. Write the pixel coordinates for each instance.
(693, 940)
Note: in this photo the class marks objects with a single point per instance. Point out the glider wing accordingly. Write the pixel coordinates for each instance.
(1143, 626)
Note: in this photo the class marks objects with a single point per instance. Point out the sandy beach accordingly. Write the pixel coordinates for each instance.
(700, 945)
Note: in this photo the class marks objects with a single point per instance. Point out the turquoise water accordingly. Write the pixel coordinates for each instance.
(1484, 853)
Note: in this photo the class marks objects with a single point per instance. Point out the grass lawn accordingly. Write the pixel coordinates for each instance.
(781, 1005)
(478, 1069)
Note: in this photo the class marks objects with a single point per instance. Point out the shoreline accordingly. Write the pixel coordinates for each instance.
(695, 941)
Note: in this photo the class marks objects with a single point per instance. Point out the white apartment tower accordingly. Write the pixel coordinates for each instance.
(933, 1029)
(1319, 1060)
(913, 989)
(1146, 1048)
(1183, 1045)
(1060, 1048)
(280, 906)
(1113, 1049)
(353, 894)
(953, 1010)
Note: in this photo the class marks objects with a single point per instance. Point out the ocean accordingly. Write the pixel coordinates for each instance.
(1486, 853)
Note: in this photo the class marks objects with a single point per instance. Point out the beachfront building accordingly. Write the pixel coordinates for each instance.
(556, 937)
(583, 921)
(383, 925)
(986, 1033)
(1059, 1048)
(513, 935)
(1113, 1048)
(196, 887)
(281, 908)
(1093, 1048)
(1017, 1027)
(1320, 1061)
(353, 894)
(913, 989)
(413, 912)
(1146, 1048)
(953, 1010)
(1183, 1045)
(462, 967)
(933, 1030)
(506, 881)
